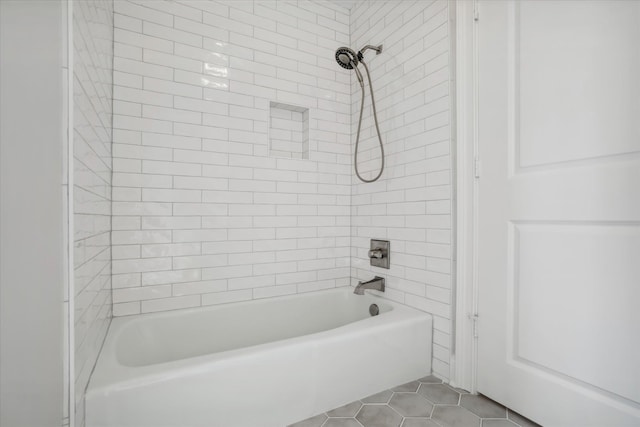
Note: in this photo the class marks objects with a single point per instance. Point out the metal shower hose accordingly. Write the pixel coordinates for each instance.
(375, 118)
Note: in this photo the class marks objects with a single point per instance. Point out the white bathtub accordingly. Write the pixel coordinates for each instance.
(255, 364)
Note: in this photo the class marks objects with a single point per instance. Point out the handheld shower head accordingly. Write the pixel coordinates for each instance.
(346, 58)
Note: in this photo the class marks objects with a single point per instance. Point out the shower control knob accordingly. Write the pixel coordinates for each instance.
(375, 253)
(379, 252)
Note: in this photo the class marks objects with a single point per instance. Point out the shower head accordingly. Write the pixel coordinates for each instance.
(346, 58)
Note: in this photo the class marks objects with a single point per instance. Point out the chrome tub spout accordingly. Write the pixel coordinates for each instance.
(377, 283)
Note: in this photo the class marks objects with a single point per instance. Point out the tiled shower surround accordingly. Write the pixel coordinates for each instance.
(205, 213)
(411, 203)
(92, 98)
(202, 213)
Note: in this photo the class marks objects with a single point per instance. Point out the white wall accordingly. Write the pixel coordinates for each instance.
(92, 167)
(411, 203)
(31, 212)
(202, 213)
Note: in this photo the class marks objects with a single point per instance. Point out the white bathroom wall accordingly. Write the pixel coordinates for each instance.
(92, 116)
(411, 203)
(203, 211)
(32, 78)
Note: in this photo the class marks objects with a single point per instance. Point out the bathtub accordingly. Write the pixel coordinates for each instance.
(261, 363)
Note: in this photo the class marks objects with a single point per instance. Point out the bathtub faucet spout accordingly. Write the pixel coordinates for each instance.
(377, 283)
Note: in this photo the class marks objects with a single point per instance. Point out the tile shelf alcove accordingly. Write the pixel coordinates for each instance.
(288, 131)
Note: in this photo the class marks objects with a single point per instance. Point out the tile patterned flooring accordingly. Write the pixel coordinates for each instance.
(426, 402)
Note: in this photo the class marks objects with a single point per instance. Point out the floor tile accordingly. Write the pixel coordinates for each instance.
(382, 397)
(418, 422)
(342, 422)
(378, 416)
(439, 393)
(426, 402)
(411, 405)
(412, 386)
(454, 416)
(497, 423)
(316, 421)
(520, 420)
(430, 379)
(483, 407)
(349, 410)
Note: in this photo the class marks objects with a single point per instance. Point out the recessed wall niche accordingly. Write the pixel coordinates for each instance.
(288, 131)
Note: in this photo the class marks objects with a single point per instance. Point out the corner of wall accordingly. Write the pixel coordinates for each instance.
(412, 203)
(91, 186)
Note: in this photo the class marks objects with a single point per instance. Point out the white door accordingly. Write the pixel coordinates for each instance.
(559, 210)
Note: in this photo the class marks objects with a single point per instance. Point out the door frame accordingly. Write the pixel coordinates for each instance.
(464, 358)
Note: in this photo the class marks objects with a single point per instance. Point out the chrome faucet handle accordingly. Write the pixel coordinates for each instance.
(375, 253)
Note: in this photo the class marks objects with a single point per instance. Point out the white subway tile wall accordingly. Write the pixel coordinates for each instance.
(203, 213)
(411, 203)
(92, 165)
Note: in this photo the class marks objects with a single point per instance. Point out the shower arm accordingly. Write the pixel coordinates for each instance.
(378, 50)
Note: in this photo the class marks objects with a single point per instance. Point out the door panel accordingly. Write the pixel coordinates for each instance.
(569, 55)
(577, 337)
(559, 210)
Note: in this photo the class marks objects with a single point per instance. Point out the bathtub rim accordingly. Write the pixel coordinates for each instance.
(110, 374)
